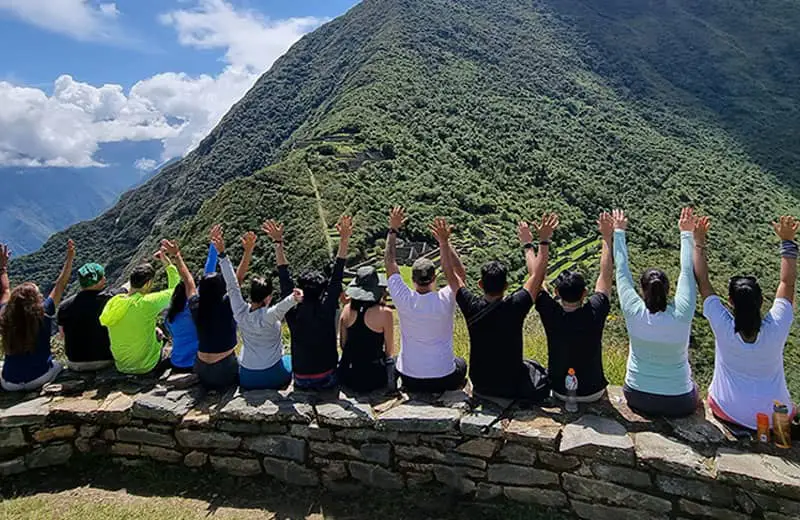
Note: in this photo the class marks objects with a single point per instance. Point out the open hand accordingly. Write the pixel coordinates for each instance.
(297, 295)
(249, 241)
(701, 227)
(786, 227)
(218, 238)
(620, 220)
(605, 223)
(274, 230)
(161, 256)
(345, 227)
(70, 249)
(547, 226)
(524, 233)
(686, 222)
(170, 247)
(5, 254)
(397, 217)
(441, 230)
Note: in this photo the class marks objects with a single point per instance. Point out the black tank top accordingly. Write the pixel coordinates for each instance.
(363, 345)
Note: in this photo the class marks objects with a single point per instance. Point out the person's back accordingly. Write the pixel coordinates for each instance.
(184, 337)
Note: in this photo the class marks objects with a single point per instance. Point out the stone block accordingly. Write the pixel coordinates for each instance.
(598, 437)
(559, 462)
(277, 446)
(455, 479)
(236, 466)
(265, 406)
(12, 467)
(167, 409)
(161, 428)
(542, 497)
(238, 427)
(290, 472)
(483, 424)
(197, 419)
(419, 417)
(414, 479)
(109, 435)
(116, 408)
(26, 413)
(88, 430)
(706, 511)
(377, 453)
(594, 511)
(207, 440)
(375, 476)
(532, 429)
(51, 455)
(11, 438)
(518, 454)
(455, 459)
(335, 470)
(696, 429)
(777, 516)
(142, 436)
(66, 431)
(700, 491)
(74, 409)
(521, 475)
(327, 449)
(486, 491)
(759, 472)
(669, 456)
(345, 414)
(162, 454)
(483, 448)
(311, 432)
(124, 449)
(181, 381)
(377, 436)
(778, 505)
(418, 453)
(621, 475)
(195, 459)
(613, 494)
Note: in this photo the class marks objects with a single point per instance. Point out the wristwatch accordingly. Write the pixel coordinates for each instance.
(527, 246)
(544, 242)
(392, 231)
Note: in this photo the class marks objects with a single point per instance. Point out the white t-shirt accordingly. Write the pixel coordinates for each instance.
(748, 377)
(426, 330)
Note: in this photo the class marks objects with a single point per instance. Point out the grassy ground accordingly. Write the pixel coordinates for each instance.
(93, 490)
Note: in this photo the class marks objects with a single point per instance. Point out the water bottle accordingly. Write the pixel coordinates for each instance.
(571, 384)
(781, 425)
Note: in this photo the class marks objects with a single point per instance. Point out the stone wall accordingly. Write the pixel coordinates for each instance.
(607, 463)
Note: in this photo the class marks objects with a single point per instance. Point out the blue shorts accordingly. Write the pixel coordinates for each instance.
(316, 383)
(276, 377)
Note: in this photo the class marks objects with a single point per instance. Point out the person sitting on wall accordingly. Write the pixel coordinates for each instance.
(426, 362)
(26, 325)
(312, 323)
(574, 324)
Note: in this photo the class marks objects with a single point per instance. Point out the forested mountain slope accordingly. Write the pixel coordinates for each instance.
(490, 111)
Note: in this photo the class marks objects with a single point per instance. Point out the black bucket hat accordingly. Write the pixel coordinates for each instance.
(367, 286)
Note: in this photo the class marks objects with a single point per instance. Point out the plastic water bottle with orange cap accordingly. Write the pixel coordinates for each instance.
(571, 385)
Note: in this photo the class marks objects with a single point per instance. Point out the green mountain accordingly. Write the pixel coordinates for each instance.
(491, 111)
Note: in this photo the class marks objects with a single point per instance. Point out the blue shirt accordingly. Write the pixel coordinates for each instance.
(24, 368)
(184, 338)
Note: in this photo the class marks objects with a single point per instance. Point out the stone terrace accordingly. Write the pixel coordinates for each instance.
(606, 463)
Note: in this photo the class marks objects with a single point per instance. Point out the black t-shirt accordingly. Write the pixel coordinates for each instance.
(575, 340)
(219, 335)
(85, 339)
(495, 338)
(313, 324)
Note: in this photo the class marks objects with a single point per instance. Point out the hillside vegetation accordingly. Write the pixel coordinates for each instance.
(491, 111)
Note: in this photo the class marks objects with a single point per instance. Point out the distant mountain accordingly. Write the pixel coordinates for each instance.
(490, 111)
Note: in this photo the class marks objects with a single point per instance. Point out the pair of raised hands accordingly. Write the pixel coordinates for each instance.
(617, 219)
(274, 230)
(167, 249)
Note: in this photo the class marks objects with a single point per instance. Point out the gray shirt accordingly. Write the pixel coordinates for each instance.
(260, 328)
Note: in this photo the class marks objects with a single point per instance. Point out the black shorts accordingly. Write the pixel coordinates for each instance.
(453, 381)
(221, 375)
(661, 405)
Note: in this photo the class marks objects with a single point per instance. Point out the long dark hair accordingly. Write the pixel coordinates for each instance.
(746, 297)
(177, 303)
(21, 319)
(655, 289)
(211, 292)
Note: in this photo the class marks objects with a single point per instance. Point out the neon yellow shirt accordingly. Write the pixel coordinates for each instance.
(131, 323)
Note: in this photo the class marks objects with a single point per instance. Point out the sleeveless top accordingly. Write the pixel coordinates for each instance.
(363, 345)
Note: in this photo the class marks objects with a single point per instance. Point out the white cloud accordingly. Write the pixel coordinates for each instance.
(144, 164)
(66, 128)
(80, 19)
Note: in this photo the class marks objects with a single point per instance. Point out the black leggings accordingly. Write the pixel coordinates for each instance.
(220, 375)
(453, 381)
(661, 405)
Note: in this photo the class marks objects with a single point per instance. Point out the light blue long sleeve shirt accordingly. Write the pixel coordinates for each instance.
(658, 360)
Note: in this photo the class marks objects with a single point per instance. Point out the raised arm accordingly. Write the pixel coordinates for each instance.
(786, 229)
(686, 294)
(5, 284)
(211, 260)
(629, 299)
(441, 230)
(397, 218)
(277, 312)
(63, 277)
(545, 228)
(239, 306)
(702, 224)
(160, 300)
(171, 248)
(526, 241)
(606, 226)
(275, 232)
(345, 229)
(248, 245)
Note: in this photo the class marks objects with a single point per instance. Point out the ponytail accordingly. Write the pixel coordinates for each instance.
(746, 297)
(655, 290)
(177, 303)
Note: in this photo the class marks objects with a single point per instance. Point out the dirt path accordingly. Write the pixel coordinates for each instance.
(321, 211)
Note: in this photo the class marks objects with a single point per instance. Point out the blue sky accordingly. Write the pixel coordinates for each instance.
(78, 76)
